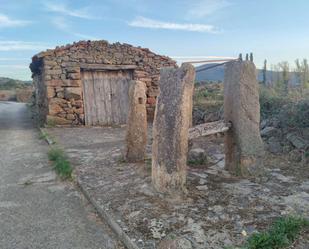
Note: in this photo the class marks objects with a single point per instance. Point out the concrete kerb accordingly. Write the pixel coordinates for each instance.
(103, 213)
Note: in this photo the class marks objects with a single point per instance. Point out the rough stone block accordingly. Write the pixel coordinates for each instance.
(73, 93)
(70, 116)
(151, 100)
(50, 92)
(243, 144)
(54, 109)
(136, 136)
(170, 129)
(73, 70)
(55, 83)
(57, 120)
(70, 82)
(73, 76)
(53, 71)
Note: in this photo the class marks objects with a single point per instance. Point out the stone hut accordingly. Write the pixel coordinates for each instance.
(87, 83)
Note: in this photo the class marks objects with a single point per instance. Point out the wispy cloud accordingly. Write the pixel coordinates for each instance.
(144, 22)
(13, 59)
(63, 9)
(15, 66)
(22, 45)
(204, 8)
(7, 22)
(62, 24)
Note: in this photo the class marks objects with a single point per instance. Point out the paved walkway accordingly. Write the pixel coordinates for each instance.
(36, 209)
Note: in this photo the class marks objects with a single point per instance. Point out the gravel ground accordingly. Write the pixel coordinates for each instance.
(219, 209)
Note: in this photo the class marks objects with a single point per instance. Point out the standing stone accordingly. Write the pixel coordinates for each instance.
(243, 143)
(136, 137)
(170, 129)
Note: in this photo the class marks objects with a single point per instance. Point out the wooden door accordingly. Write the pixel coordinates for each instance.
(106, 97)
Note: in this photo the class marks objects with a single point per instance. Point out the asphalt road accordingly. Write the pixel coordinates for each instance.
(37, 210)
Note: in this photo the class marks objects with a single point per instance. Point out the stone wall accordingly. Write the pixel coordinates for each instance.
(57, 76)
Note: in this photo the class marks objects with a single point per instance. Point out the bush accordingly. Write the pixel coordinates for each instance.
(292, 111)
(60, 163)
(281, 234)
(270, 101)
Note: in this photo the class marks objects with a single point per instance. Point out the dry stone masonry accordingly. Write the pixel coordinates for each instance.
(59, 85)
(243, 143)
(136, 137)
(170, 128)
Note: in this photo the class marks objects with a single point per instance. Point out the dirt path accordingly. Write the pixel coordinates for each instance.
(36, 209)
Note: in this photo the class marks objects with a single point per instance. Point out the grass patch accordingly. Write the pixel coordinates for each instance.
(43, 136)
(280, 235)
(148, 164)
(50, 123)
(197, 162)
(60, 162)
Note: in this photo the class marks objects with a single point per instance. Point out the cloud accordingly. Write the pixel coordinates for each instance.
(144, 22)
(64, 10)
(13, 59)
(15, 66)
(6, 22)
(204, 8)
(22, 45)
(62, 24)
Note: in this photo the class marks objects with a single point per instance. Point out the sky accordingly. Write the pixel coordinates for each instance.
(276, 30)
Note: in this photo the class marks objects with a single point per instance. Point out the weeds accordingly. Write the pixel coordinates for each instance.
(50, 123)
(280, 235)
(197, 162)
(148, 164)
(60, 162)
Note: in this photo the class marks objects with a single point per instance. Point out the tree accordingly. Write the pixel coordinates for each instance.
(283, 84)
(302, 73)
(305, 78)
(264, 72)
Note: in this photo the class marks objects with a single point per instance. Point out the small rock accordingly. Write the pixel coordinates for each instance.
(270, 131)
(72, 93)
(274, 145)
(295, 156)
(264, 123)
(197, 156)
(287, 148)
(202, 187)
(197, 230)
(297, 142)
(177, 243)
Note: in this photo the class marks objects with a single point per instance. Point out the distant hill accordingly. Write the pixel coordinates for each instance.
(10, 84)
(217, 74)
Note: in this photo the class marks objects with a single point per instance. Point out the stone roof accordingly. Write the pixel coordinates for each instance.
(86, 46)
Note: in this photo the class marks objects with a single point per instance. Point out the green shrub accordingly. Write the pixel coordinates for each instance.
(281, 234)
(54, 153)
(60, 162)
(292, 111)
(270, 101)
